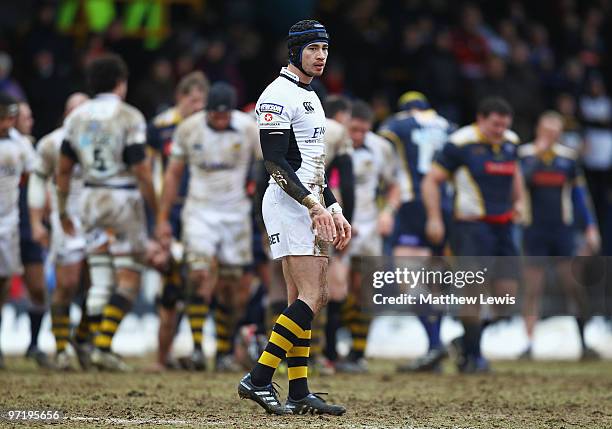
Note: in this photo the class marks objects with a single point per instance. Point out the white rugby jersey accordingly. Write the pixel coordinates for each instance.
(219, 161)
(99, 130)
(48, 150)
(337, 141)
(373, 162)
(288, 104)
(17, 156)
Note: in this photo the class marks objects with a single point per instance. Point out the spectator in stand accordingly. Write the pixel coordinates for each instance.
(572, 128)
(596, 115)
(469, 45)
(8, 85)
(156, 93)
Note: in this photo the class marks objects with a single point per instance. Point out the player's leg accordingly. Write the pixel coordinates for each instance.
(172, 293)
(338, 290)
(534, 288)
(34, 279)
(67, 277)
(4, 286)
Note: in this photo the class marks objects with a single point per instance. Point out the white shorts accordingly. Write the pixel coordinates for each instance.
(10, 260)
(116, 216)
(224, 235)
(367, 241)
(289, 226)
(66, 249)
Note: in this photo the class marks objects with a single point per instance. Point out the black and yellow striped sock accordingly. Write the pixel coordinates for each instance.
(297, 366)
(223, 329)
(60, 326)
(197, 312)
(291, 326)
(359, 328)
(112, 315)
(94, 324)
(81, 334)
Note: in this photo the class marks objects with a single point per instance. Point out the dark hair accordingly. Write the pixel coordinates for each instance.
(105, 73)
(195, 79)
(221, 97)
(334, 104)
(8, 105)
(497, 105)
(362, 110)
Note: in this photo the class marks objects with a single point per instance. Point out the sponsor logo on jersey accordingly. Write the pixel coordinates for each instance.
(268, 117)
(500, 168)
(308, 107)
(271, 107)
(548, 178)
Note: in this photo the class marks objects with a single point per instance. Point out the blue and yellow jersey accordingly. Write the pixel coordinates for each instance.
(159, 138)
(482, 174)
(416, 137)
(555, 186)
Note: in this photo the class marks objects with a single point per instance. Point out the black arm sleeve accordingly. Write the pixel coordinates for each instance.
(344, 164)
(328, 195)
(274, 146)
(67, 150)
(134, 153)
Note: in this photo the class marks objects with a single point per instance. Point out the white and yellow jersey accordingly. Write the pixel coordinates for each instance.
(218, 161)
(17, 156)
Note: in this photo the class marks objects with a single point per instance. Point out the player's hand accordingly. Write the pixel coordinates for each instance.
(156, 255)
(163, 233)
(518, 212)
(322, 223)
(40, 234)
(385, 223)
(434, 229)
(67, 225)
(593, 239)
(343, 229)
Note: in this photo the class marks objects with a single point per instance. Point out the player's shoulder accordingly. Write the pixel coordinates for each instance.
(78, 112)
(512, 137)
(565, 151)
(278, 96)
(167, 118)
(130, 112)
(526, 150)
(430, 118)
(465, 135)
(241, 120)
(51, 141)
(334, 128)
(194, 120)
(20, 139)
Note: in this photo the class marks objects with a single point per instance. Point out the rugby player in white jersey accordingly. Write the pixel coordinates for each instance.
(301, 216)
(16, 157)
(106, 137)
(375, 167)
(68, 252)
(218, 146)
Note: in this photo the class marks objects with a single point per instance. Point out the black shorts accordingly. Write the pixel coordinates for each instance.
(494, 246)
(549, 240)
(409, 228)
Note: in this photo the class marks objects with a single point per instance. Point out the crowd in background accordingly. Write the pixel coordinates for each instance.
(538, 55)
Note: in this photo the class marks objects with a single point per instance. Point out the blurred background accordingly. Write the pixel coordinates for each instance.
(537, 54)
(550, 53)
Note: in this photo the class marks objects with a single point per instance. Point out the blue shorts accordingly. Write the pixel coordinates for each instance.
(488, 241)
(409, 228)
(549, 240)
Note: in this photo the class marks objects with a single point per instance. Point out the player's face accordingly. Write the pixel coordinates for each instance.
(358, 128)
(343, 117)
(549, 130)
(191, 102)
(219, 120)
(314, 57)
(494, 126)
(25, 121)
